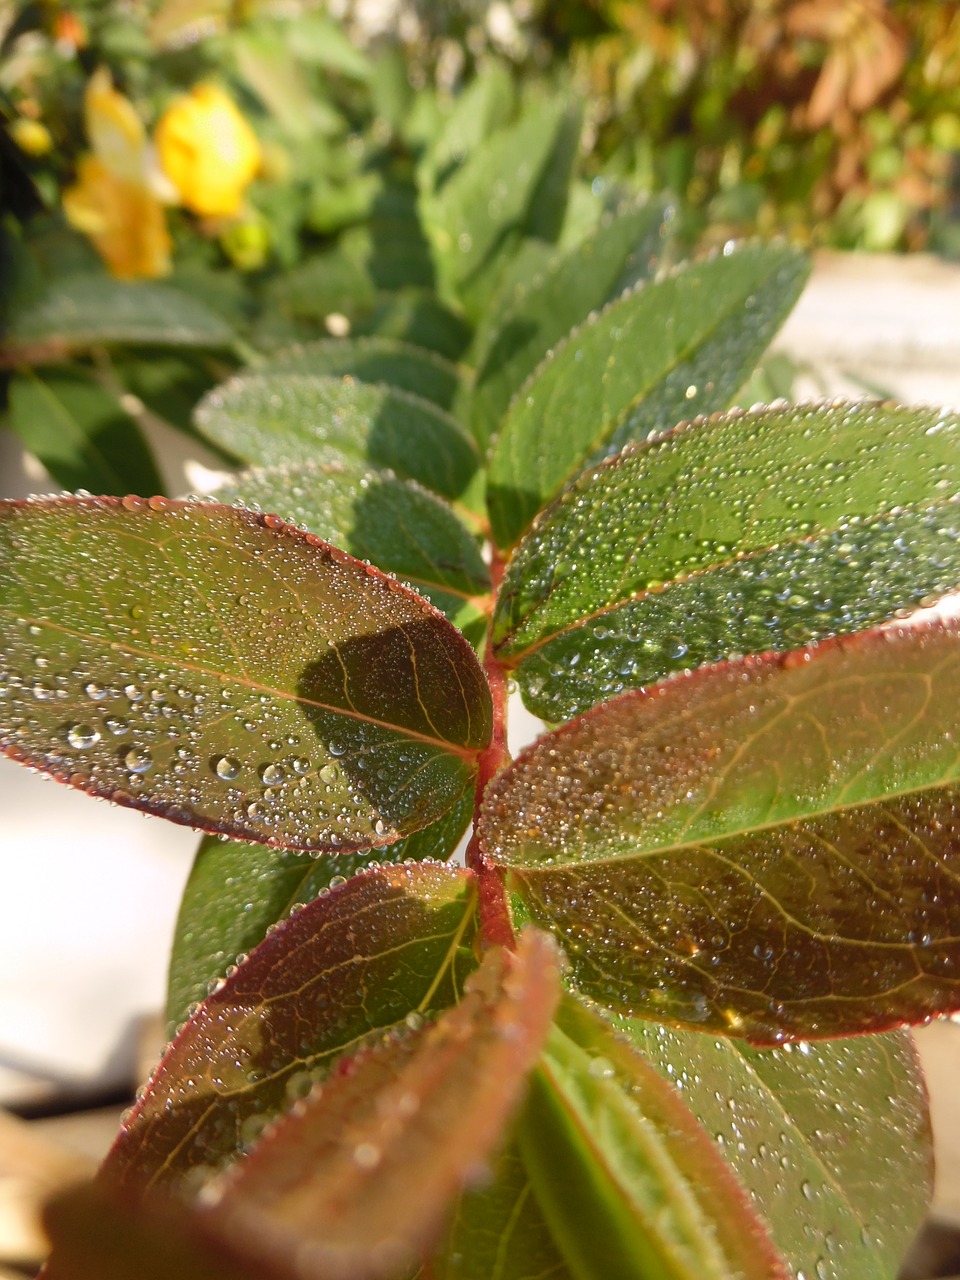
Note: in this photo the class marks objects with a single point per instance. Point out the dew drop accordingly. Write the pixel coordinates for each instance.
(271, 774)
(337, 748)
(138, 760)
(82, 736)
(227, 768)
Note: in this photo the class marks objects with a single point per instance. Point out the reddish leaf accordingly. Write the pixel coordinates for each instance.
(356, 1180)
(387, 944)
(226, 670)
(767, 848)
(98, 1233)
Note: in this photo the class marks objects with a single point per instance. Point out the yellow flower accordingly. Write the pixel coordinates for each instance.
(208, 151)
(118, 197)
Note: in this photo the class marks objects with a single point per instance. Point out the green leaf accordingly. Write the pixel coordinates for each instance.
(824, 1136)
(359, 1177)
(746, 532)
(387, 360)
(88, 309)
(489, 195)
(628, 1181)
(418, 317)
(670, 349)
(98, 1233)
(228, 671)
(548, 204)
(498, 1232)
(543, 310)
(484, 106)
(298, 417)
(388, 945)
(79, 432)
(268, 67)
(765, 848)
(236, 891)
(393, 523)
(168, 384)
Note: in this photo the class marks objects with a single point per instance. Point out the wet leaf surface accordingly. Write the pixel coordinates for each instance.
(79, 432)
(544, 311)
(390, 943)
(384, 360)
(376, 516)
(355, 1182)
(88, 309)
(236, 891)
(767, 848)
(748, 532)
(676, 347)
(291, 418)
(225, 670)
(826, 1137)
(630, 1184)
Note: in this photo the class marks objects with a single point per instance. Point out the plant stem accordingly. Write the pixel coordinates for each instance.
(496, 928)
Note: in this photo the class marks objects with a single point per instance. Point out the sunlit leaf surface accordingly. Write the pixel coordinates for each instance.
(747, 532)
(766, 848)
(388, 944)
(236, 891)
(630, 1184)
(376, 516)
(826, 1136)
(387, 360)
(269, 419)
(356, 1181)
(542, 312)
(226, 670)
(669, 349)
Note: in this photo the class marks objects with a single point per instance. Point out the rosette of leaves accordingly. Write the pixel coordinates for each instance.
(654, 1027)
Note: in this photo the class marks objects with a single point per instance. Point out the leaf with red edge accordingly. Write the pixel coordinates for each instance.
(226, 670)
(628, 1181)
(767, 848)
(390, 943)
(355, 1182)
(98, 1233)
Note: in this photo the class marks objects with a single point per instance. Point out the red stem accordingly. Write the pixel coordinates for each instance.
(496, 928)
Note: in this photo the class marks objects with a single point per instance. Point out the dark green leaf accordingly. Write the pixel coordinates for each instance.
(826, 1137)
(742, 533)
(679, 346)
(398, 364)
(228, 671)
(359, 1177)
(269, 419)
(393, 523)
(89, 309)
(237, 891)
(80, 433)
(390, 944)
(766, 848)
(628, 1181)
(543, 310)
(498, 1232)
(489, 195)
(548, 204)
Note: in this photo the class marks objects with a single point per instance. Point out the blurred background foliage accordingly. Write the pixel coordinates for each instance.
(189, 185)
